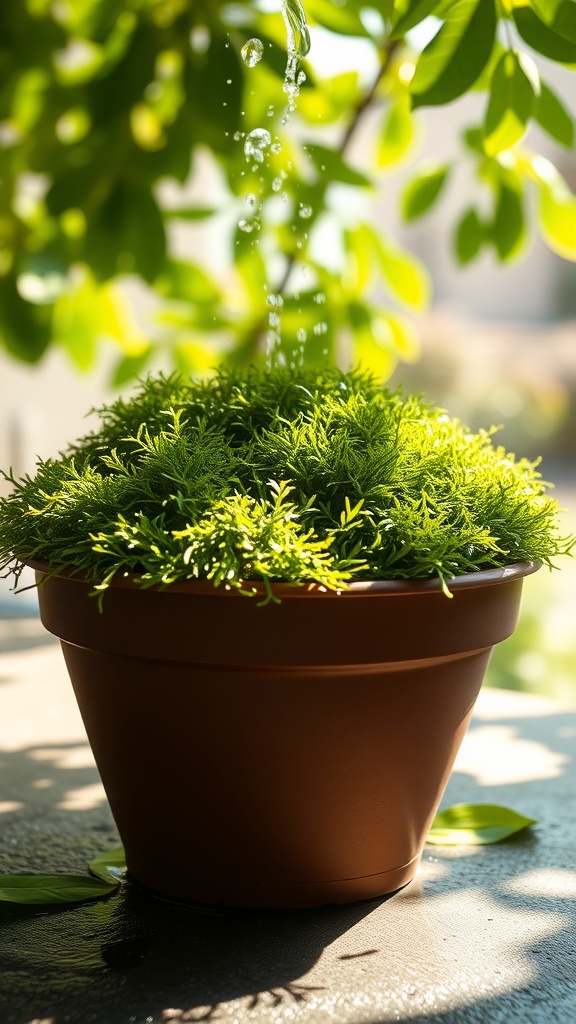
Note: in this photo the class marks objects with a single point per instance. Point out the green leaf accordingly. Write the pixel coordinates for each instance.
(476, 825)
(129, 367)
(341, 19)
(542, 38)
(424, 190)
(508, 230)
(77, 323)
(217, 116)
(457, 54)
(110, 866)
(52, 888)
(414, 12)
(360, 257)
(331, 165)
(397, 134)
(190, 212)
(374, 345)
(126, 235)
(187, 282)
(469, 237)
(474, 140)
(403, 333)
(406, 277)
(559, 15)
(25, 329)
(552, 115)
(515, 85)
(557, 209)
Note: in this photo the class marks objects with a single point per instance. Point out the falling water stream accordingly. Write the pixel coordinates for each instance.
(257, 144)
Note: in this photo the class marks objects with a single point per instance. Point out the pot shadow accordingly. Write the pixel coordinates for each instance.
(133, 958)
(131, 954)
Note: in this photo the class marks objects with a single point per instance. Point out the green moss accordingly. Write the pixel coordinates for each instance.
(293, 475)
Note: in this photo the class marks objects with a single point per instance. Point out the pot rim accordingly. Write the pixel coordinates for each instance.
(484, 577)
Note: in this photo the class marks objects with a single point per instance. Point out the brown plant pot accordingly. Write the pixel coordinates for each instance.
(289, 755)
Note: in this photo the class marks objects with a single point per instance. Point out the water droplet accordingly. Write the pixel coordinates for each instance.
(305, 211)
(276, 146)
(238, 136)
(277, 184)
(251, 201)
(246, 225)
(319, 298)
(320, 328)
(301, 78)
(228, 81)
(256, 143)
(251, 52)
(301, 335)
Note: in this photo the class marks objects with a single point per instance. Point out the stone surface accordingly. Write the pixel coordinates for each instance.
(484, 934)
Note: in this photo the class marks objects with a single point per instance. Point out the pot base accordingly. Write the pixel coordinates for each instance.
(212, 896)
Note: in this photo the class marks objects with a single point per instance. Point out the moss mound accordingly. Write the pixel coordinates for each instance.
(293, 475)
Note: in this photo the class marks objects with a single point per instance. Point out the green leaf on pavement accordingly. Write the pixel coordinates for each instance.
(457, 54)
(110, 866)
(552, 115)
(514, 88)
(53, 888)
(423, 191)
(476, 825)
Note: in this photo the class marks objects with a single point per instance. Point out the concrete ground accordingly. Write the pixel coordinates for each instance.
(485, 934)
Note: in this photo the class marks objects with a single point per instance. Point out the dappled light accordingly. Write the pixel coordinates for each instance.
(518, 760)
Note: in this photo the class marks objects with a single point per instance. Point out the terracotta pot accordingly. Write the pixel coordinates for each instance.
(290, 755)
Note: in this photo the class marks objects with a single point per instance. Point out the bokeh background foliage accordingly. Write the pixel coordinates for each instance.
(110, 109)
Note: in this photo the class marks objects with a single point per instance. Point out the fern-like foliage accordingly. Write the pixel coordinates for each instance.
(287, 475)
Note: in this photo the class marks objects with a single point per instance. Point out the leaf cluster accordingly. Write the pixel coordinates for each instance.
(294, 475)
(103, 109)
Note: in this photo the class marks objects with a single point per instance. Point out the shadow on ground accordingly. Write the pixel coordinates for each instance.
(131, 959)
